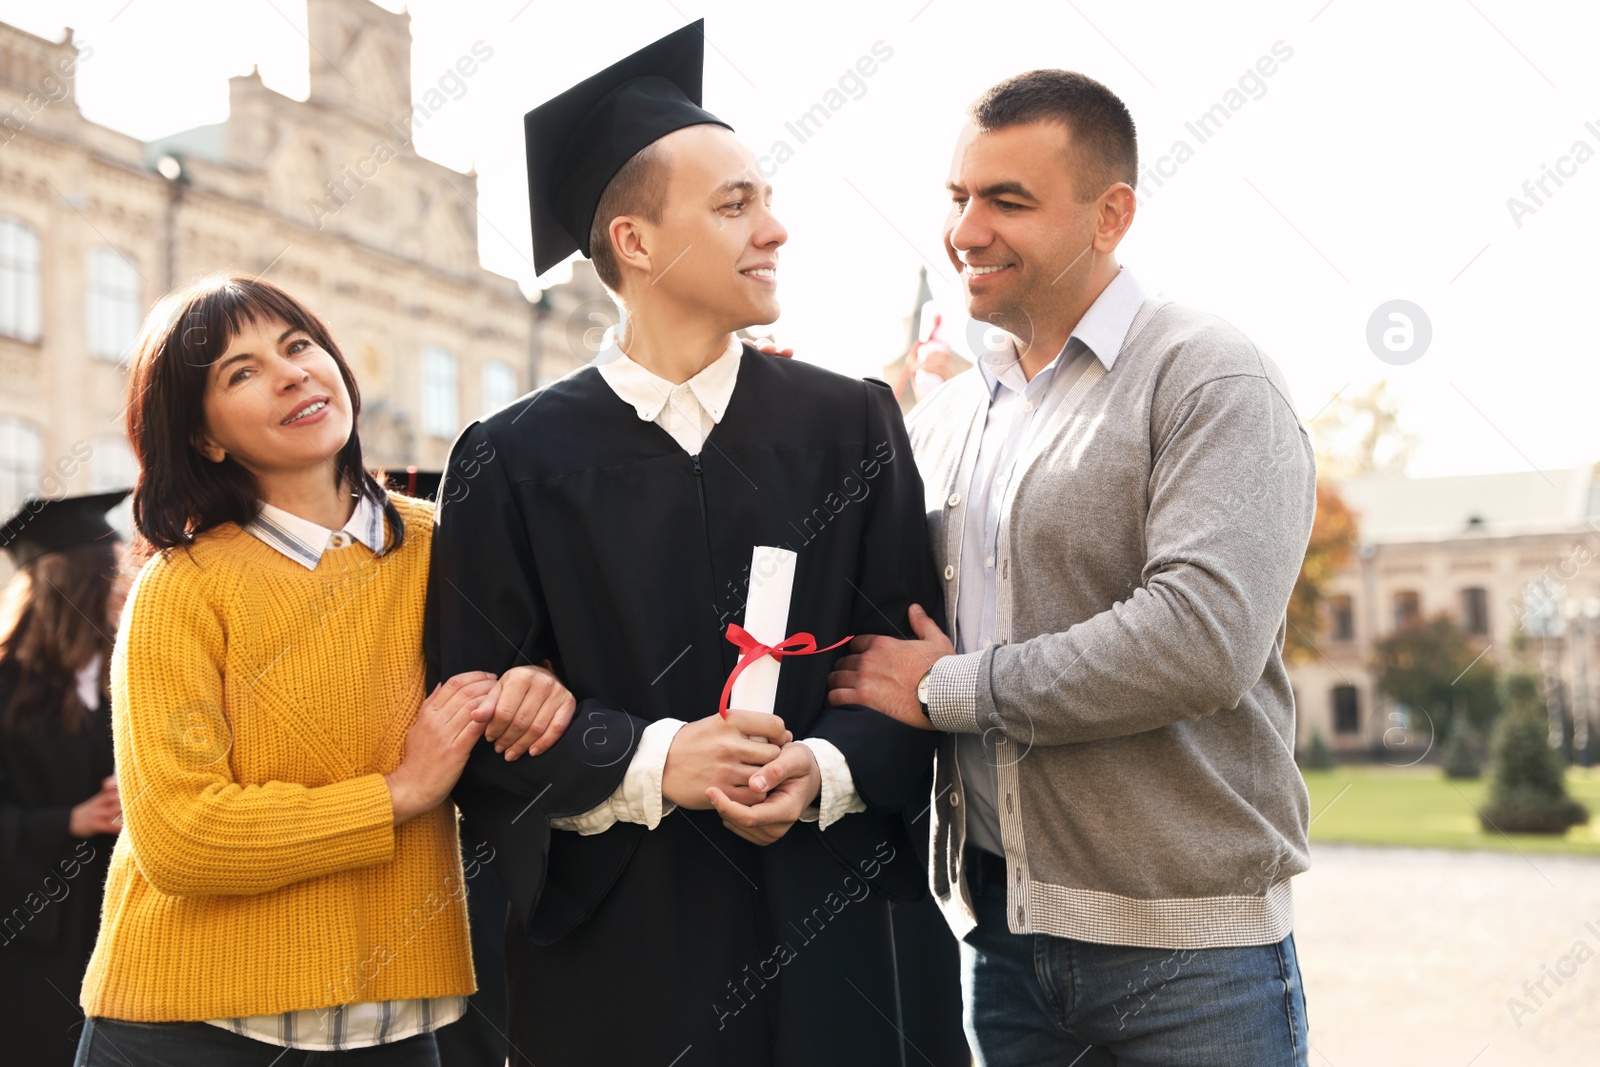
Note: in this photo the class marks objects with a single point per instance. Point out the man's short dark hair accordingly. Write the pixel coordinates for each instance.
(639, 188)
(1105, 145)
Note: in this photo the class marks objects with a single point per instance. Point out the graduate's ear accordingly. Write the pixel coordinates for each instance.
(630, 243)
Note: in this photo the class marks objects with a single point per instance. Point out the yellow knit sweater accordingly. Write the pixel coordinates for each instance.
(256, 706)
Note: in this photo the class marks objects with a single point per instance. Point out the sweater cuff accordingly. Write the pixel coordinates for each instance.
(953, 693)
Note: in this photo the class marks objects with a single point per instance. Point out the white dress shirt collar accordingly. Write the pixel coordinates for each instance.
(1102, 330)
(304, 541)
(676, 408)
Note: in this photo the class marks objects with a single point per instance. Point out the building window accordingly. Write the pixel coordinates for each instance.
(440, 409)
(1342, 612)
(114, 304)
(1346, 710)
(21, 459)
(1407, 609)
(499, 386)
(19, 280)
(113, 466)
(1540, 610)
(1475, 611)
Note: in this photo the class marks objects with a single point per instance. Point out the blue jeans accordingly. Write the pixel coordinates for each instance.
(1033, 999)
(118, 1043)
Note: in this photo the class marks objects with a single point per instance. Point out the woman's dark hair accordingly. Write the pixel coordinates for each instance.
(53, 622)
(179, 492)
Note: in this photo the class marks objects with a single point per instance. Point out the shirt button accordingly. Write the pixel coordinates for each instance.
(949, 571)
(988, 561)
(955, 498)
(1027, 405)
(955, 798)
(337, 540)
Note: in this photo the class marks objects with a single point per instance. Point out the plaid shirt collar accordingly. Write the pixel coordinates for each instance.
(304, 541)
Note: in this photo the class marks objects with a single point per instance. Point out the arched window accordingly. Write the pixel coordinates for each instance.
(1475, 611)
(113, 304)
(1346, 709)
(21, 458)
(1342, 614)
(113, 466)
(1407, 609)
(19, 280)
(499, 385)
(441, 410)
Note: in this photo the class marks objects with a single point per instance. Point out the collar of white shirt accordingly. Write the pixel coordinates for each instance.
(304, 541)
(648, 393)
(1102, 330)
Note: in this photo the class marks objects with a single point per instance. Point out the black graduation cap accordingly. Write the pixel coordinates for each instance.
(412, 482)
(41, 526)
(577, 141)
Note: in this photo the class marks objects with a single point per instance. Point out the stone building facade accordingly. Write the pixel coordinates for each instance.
(1513, 558)
(327, 197)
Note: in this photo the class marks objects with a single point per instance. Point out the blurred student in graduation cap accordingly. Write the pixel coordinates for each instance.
(688, 888)
(59, 805)
(288, 887)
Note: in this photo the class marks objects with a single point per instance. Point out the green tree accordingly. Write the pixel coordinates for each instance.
(1434, 666)
(1528, 792)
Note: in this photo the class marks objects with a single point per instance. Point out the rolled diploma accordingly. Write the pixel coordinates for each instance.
(766, 617)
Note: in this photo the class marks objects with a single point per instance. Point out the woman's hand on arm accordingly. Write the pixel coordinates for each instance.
(438, 744)
(529, 712)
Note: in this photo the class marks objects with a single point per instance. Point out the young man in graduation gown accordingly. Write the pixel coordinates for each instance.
(685, 888)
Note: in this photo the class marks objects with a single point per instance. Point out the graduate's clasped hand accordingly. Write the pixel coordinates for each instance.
(747, 767)
(786, 786)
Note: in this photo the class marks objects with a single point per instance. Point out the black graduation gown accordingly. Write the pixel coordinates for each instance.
(50, 882)
(571, 530)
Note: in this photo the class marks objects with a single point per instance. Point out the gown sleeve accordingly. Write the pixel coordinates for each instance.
(889, 761)
(31, 836)
(487, 612)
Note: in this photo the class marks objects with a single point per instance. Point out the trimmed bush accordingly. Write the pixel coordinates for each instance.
(1528, 793)
(1316, 756)
(1461, 758)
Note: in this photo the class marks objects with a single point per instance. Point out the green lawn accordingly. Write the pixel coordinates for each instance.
(1418, 806)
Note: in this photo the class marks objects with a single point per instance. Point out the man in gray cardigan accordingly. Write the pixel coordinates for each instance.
(1119, 503)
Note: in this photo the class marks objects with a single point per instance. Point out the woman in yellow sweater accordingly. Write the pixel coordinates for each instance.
(289, 876)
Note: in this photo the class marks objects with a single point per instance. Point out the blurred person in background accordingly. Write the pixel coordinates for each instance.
(60, 809)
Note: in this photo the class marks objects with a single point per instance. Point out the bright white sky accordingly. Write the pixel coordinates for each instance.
(1376, 166)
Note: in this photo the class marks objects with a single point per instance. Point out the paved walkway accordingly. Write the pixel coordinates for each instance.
(1410, 957)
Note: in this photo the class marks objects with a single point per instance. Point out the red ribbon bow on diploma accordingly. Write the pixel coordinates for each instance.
(750, 650)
